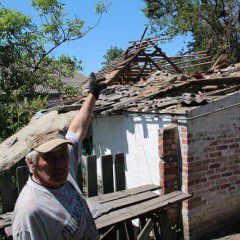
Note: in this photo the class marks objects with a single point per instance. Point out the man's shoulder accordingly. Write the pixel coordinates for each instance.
(28, 200)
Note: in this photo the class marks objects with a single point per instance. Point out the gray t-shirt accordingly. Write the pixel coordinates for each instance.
(62, 213)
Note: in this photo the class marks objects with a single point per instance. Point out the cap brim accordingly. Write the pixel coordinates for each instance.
(50, 145)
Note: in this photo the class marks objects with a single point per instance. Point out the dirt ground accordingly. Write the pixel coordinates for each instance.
(231, 232)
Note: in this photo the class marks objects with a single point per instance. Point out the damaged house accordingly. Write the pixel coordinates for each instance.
(176, 128)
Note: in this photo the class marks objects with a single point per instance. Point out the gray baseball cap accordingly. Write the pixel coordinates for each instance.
(44, 142)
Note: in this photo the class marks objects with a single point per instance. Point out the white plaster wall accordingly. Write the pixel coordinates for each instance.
(137, 138)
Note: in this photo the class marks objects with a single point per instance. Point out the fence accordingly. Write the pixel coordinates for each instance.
(112, 178)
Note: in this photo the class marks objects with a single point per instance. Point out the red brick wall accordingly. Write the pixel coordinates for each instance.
(211, 172)
(170, 170)
(168, 152)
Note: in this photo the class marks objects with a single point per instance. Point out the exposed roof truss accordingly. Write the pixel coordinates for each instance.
(144, 57)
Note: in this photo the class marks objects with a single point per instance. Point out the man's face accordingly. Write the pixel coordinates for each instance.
(53, 167)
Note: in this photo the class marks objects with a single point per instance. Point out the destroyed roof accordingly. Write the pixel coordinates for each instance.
(144, 57)
(167, 93)
(77, 81)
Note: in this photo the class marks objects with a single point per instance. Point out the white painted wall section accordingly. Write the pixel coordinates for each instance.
(137, 138)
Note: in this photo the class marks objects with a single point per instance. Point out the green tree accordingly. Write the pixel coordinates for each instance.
(214, 25)
(111, 54)
(27, 57)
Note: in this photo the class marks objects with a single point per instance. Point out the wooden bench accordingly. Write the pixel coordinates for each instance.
(120, 208)
(117, 210)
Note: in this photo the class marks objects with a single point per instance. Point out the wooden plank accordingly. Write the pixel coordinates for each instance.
(142, 222)
(140, 73)
(107, 174)
(196, 65)
(136, 211)
(133, 199)
(164, 225)
(121, 233)
(91, 181)
(125, 193)
(156, 232)
(124, 202)
(120, 69)
(129, 230)
(22, 174)
(189, 61)
(79, 176)
(198, 83)
(8, 193)
(106, 235)
(168, 60)
(221, 61)
(146, 28)
(144, 47)
(8, 231)
(119, 165)
(224, 91)
(144, 234)
(107, 207)
(6, 216)
(201, 53)
(4, 223)
(150, 60)
(152, 39)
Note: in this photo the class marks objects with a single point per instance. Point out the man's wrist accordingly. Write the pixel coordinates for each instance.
(92, 96)
(95, 95)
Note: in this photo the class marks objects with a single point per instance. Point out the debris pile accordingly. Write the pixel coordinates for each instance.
(169, 93)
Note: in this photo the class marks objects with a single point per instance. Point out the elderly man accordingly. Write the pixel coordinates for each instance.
(51, 205)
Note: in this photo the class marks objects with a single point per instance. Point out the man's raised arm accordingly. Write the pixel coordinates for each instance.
(80, 123)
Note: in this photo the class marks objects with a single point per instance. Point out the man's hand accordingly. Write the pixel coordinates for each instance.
(95, 85)
(80, 123)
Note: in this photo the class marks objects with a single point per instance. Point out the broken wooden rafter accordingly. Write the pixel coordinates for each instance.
(221, 61)
(196, 65)
(190, 61)
(224, 91)
(150, 60)
(157, 39)
(168, 60)
(132, 51)
(120, 69)
(189, 56)
(143, 68)
(177, 88)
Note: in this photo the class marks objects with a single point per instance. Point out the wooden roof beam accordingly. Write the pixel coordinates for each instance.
(143, 68)
(169, 60)
(150, 60)
(189, 61)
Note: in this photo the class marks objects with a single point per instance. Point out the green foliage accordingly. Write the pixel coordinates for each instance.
(101, 7)
(214, 25)
(27, 59)
(70, 91)
(16, 114)
(111, 54)
(175, 228)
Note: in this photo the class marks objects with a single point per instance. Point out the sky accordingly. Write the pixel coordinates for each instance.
(123, 22)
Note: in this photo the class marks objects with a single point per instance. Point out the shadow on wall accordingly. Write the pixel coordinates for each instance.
(111, 133)
(135, 136)
(122, 133)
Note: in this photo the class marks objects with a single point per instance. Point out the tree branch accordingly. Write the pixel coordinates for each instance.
(36, 67)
